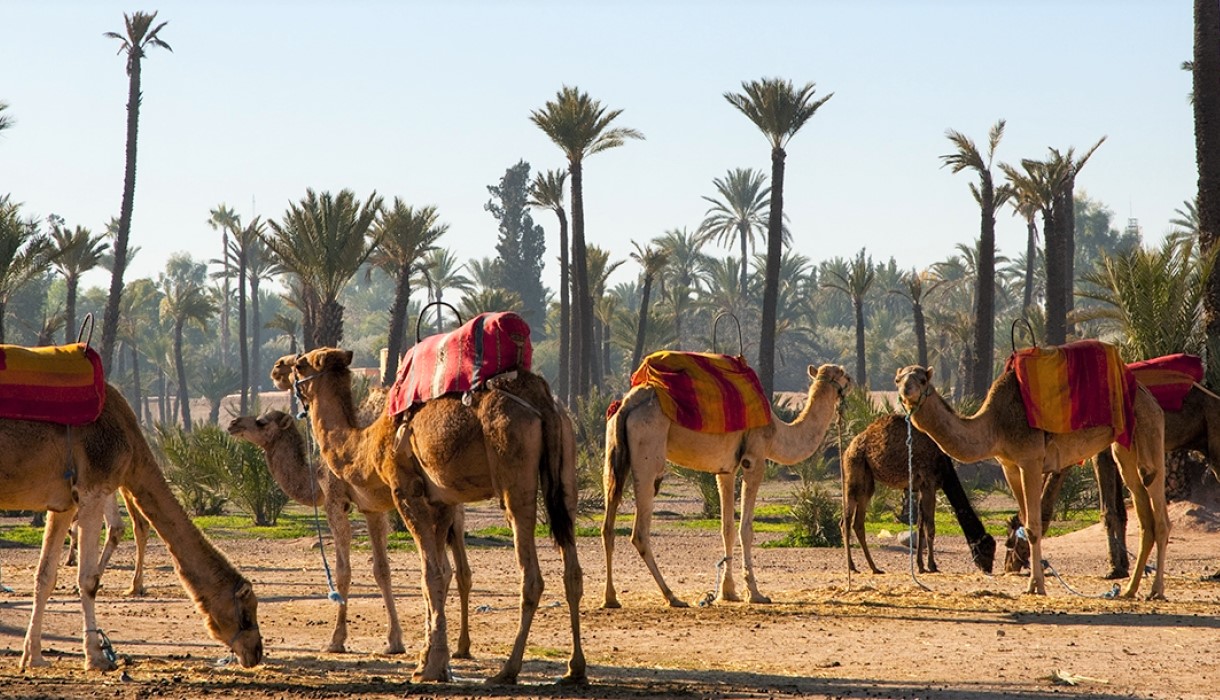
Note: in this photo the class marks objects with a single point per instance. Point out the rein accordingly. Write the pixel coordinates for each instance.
(332, 594)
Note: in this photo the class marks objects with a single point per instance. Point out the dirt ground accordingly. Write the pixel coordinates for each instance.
(968, 636)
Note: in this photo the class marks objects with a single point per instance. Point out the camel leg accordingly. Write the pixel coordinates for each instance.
(461, 565)
(927, 526)
(726, 588)
(88, 578)
(641, 531)
(749, 493)
(422, 519)
(44, 583)
(1113, 513)
(1026, 484)
(1150, 508)
(522, 514)
(139, 529)
(858, 497)
(379, 527)
(608, 521)
(341, 530)
(114, 532)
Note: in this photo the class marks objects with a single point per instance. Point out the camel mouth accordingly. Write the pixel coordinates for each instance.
(249, 655)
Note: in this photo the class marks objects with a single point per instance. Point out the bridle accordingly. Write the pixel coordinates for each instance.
(923, 394)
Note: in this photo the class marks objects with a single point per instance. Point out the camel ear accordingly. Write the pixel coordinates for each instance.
(285, 421)
(813, 372)
(929, 371)
(347, 358)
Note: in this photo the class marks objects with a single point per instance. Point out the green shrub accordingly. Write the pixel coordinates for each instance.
(589, 422)
(197, 473)
(209, 468)
(816, 513)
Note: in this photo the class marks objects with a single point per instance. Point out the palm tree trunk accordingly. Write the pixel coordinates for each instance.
(921, 335)
(1069, 254)
(775, 250)
(184, 402)
(242, 336)
(224, 306)
(398, 325)
(1207, 157)
(138, 393)
(744, 229)
(70, 331)
(861, 364)
(256, 341)
(110, 322)
(3, 313)
(642, 327)
(330, 328)
(984, 310)
(583, 350)
(1031, 254)
(1056, 311)
(565, 311)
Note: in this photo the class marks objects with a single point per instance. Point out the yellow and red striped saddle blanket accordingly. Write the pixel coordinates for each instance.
(1080, 385)
(705, 392)
(1169, 378)
(60, 384)
(461, 360)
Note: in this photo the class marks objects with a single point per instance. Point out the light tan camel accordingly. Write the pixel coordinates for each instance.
(506, 444)
(114, 534)
(880, 454)
(73, 473)
(276, 433)
(1000, 429)
(640, 438)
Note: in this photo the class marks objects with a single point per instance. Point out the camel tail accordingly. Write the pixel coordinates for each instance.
(982, 545)
(551, 466)
(618, 455)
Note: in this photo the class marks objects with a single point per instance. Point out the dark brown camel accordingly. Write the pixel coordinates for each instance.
(879, 454)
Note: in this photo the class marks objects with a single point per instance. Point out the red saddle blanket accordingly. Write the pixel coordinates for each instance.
(461, 360)
(1080, 385)
(705, 392)
(56, 384)
(1169, 378)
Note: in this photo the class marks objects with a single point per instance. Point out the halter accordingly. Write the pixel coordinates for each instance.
(841, 389)
(296, 389)
(923, 395)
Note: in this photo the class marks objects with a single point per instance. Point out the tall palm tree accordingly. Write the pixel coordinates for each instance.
(600, 269)
(244, 238)
(225, 220)
(916, 286)
(779, 110)
(739, 214)
(288, 326)
(580, 126)
(24, 253)
(1065, 202)
(1037, 183)
(137, 316)
(324, 240)
(856, 285)
(406, 234)
(966, 156)
(76, 252)
(261, 266)
(651, 260)
(1205, 72)
(139, 37)
(186, 300)
(1026, 203)
(1186, 218)
(681, 274)
(546, 192)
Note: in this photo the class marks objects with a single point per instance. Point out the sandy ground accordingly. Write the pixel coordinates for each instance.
(969, 636)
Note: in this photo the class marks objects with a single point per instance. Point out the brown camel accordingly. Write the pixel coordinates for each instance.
(880, 454)
(73, 472)
(1000, 429)
(506, 444)
(276, 433)
(640, 438)
(114, 534)
(1196, 426)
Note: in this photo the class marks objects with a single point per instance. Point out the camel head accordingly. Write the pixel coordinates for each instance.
(281, 372)
(263, 430)
(296, 371)
(831, 374)
(1016, 556)
(914, 386)
(234, 623)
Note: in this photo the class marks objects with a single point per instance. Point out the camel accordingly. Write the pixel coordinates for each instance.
(275, 432)
(1196, 426)
(114, 534)
(505, 444)
(879, 454)
(73, 472)
(1000, 429)
(640, 438)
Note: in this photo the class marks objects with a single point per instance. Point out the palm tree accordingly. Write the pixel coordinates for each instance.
(1187, 218)
(244, 238)
(580, 126)
(546, 192)
(225, 220)
(186, 300)
(406, 235)
(216, 381)
(287, 325)
(1065, 202)
(137, 314)
(1205, 72)
(779, 110)
(1027, 203)
(488, 299)
(140, 36)
(323, 241)
(916, 286)
(681, 274)
(651, 260)
(738, 215)
(856, 284)
(6, 121)
(24, 253)
(261, 265)
(76, 252)
(441, 272)
(600, 269)
(989, 198)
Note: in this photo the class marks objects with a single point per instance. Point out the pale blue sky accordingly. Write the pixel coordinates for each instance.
(430, 102)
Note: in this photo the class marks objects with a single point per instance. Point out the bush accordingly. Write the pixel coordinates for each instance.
(198, 475)
(589, 422)
(817, 514)
(209, 468)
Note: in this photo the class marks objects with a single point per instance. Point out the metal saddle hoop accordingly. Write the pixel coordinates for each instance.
(716, 325)
(440, 313)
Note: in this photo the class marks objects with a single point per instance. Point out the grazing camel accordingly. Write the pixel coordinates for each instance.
(506, 444)
(879, 454)
(1196, 426)
(1000, 429)
(114, 534)
(74, 472)
(275, 432)
(640, 438)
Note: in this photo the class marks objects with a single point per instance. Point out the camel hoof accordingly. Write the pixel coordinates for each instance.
(728, 598)
(573, 680)
(611, 605)
(760, 599)
(393, 649)
(443, 676)
(878, 571)
(136, 592)
(103, 664)
(334, 648)
(932, 569)
(35, 662)
(502, 678)
(677, 603)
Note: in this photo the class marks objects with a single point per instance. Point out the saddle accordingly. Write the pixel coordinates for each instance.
(61, 384)
(1169, 378)
(461, 360)
(705, 392)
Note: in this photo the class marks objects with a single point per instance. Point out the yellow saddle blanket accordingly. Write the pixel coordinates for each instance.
(58, 384)
(705, 392)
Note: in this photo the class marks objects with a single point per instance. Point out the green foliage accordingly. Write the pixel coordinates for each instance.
(709, 491)
(521, 246)
(816, 514)
(197, 473)
(209, 468)
(1077, 493)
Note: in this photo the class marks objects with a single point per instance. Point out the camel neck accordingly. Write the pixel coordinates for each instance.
(799, 439)
(964, 439)
(289, 465)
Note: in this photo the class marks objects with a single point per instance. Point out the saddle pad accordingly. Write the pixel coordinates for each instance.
(1169, 378)
(461, 360)
(60, 384)
(705, 392)
(1076, 386)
